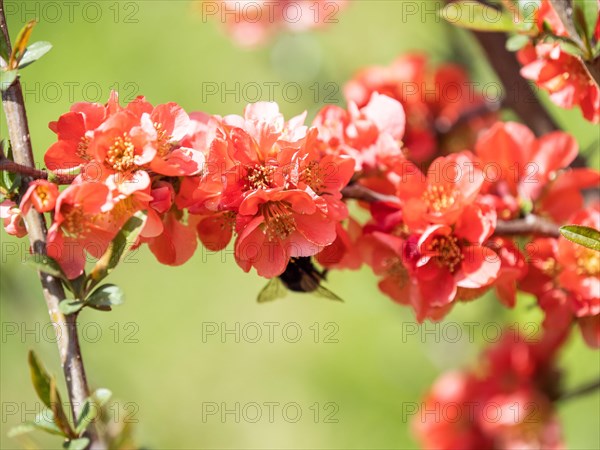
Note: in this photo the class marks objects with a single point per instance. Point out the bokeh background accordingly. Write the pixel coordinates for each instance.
(368, 367)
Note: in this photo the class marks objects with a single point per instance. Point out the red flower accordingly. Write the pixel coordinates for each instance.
(433, 100)
(505, 402)
(172, 241)
(40, 194)
(370, 136)
(566, 278)
(452, 183)
(80, 226)
(273, 227)
(75, 130)
(563, 76)
(521, 169)
(12, 219)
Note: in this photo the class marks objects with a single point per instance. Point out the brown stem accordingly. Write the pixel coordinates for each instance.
(580, 391)
(66, 326)
(32, 173)
(519, 95)
(530, 225)
(357, 192)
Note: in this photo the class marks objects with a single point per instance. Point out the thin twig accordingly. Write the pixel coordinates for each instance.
(530, 225)
(66, 326)
(32, 173)
(580, 391)
(358, 192)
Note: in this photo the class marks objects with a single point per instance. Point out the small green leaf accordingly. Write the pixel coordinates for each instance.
(40, 378)
(45, 264)
(4, 52)
(585, 236)
(101, 396)
(87, 415)
(7, 78)
(122, 241)
(91, 409)
(106, 295)
(70, 306)
(43, 421)
(76, 444)
(34, 52)
(586, 17)
(516, 42)
(476, 16)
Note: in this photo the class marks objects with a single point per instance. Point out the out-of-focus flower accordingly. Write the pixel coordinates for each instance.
(434, 101)
(12, 219)
(563, 76)
(524, 171)
(252, 22)
(566, 276)
(506, 402)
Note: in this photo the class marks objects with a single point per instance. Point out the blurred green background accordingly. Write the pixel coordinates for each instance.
(368, 365)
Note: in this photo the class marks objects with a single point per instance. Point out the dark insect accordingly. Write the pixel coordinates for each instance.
(300, 276)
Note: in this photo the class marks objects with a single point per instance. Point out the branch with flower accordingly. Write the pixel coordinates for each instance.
(459, 203)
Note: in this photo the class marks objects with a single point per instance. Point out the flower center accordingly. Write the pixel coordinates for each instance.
(120, 155)
(260, 177)
(440, 198)
(279, 222)
(588, 262)
(447, 252)
(42, 194)
(397, 271)
(82, 149)
(312, 175)
(74, 224)
(163, 140)
(550, 267)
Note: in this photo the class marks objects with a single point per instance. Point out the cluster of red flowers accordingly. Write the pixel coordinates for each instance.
(557, 71)
(435, 101)
(280, 188)
(506, 402)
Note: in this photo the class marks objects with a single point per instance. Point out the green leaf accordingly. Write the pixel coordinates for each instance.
(122, 241)
(34, 52)
(40, 378)
(76, 444)
(70, 306)
(91, 409)
(21, 44)
(476, 16)
(586, 17)
(7, 78)
(4, 52)
(60, 418)
(43, 421)
(45, 264)
(516, 42)
(87, 415)
(585, 236)
(105, 296)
